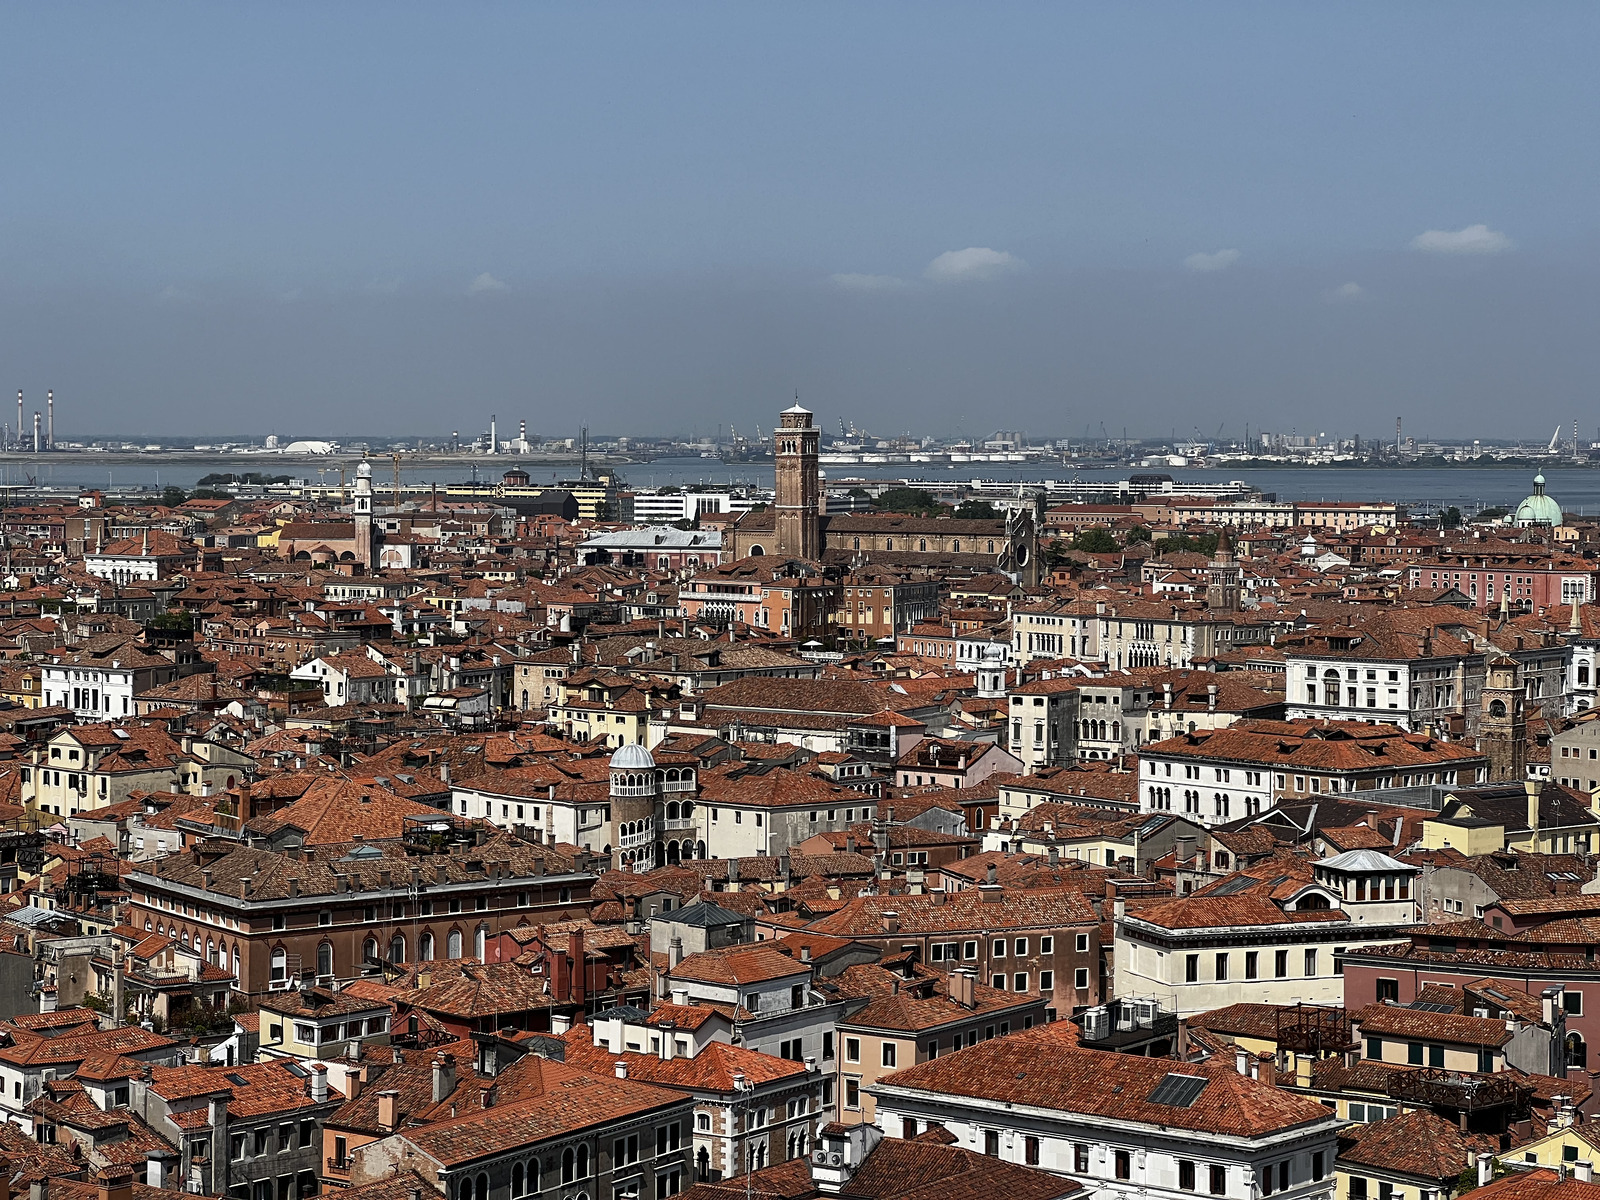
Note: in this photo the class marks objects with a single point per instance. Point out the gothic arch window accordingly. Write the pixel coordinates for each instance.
(1497, 708)
(481, 1192)
(922, 544)
(324, 958)
(855, 543)
(453, 944)
(516, 1179)
(397, 949)
(425, 947)
(369, 950)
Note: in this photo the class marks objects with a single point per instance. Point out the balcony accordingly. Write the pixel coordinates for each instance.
(677, 824)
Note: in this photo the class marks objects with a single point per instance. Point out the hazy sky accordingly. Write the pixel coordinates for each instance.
(320, 219)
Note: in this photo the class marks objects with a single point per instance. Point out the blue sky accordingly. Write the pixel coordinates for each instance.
(323, 219)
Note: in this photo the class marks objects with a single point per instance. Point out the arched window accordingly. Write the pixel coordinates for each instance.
(425, 947)
(1497, 708)
(483, 1186)
(532, 1182)
(453, 944)
(568, 1166)
(672, 810)
(480, 943)
(280, 965)
(397, 949)
(687, 810)
(236, 962)
(583, 1162)
(369, 950)
(1577, 1052)
(211, 951)
(516, 1179)
(324, 958)
(464, 1188)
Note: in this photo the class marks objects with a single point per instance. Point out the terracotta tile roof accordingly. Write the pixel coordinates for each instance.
(712, 1069)
(1043, 1068)
(737, 966)
(963, 912)
(567, 1104)
(922, 1001)
(1388, 1020)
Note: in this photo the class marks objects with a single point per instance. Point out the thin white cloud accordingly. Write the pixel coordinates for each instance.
(1221, 260)
(972, 264)
(866, 283)
(486, 284)
(1346, 292)
(1474, 239)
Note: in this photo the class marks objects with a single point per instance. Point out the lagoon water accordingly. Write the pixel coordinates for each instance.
(1469, 488)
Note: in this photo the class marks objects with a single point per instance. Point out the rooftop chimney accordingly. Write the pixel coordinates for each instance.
(388, 1110)
(444, 1077)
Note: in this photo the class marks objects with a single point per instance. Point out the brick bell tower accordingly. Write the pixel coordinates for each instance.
(798, 508)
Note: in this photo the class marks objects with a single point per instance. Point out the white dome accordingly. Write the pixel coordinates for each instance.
(993, 655)
(632, 757)
(364, 471)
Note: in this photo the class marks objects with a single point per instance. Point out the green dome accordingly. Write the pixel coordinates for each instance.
(1538, 509)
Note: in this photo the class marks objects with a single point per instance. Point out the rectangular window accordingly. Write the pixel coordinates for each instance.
(1316, 1165)
(1222, 967)
(998, 948)
(1572, 1003)
(1124, 1165)
(1019, 982)
(1020, 947)
(1311, 963)
(1191, 968)
(1186, 1174)
(1080, 1158)
(1280, 964)
(991, 1142)
(1375, 1049)
(888, 1054)
(1030, 1151)
(852, 1093)
(1358, 1188)
(1435, 1055)
(1219, 1180)
(1252, 960)
(1414, 1053)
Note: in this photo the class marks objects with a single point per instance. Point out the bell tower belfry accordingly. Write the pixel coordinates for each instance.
(798, 506)
(363, 514)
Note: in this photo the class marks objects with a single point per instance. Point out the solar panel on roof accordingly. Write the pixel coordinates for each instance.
(1238, 883)
(238, 1079)
(1179, 1091)
(1432, 1006)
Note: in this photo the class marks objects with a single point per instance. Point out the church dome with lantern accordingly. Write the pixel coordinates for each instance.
(1538, 509)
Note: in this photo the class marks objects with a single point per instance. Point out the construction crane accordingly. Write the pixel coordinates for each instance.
(1554, 438)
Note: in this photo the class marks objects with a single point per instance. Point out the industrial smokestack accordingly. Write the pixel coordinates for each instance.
(19, 416)
(522, 437)
(50, 425)
(37, 434)
(1398, 441)
(494, 444)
